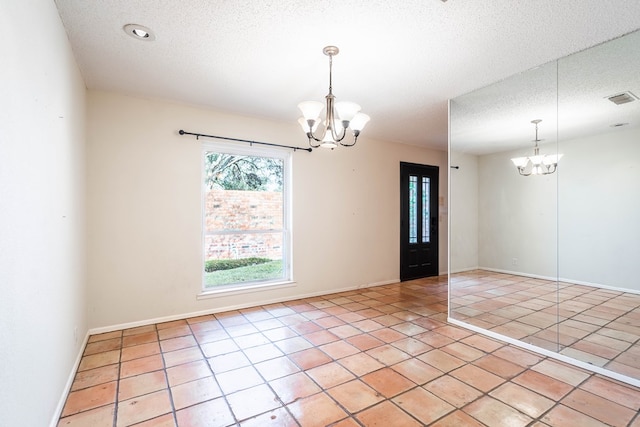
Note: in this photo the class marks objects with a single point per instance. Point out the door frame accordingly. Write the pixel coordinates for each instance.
(434, 174)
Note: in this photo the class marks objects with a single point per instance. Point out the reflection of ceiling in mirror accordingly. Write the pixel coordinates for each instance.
(498, 117)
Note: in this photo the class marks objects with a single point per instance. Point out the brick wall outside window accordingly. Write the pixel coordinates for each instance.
(243, 210)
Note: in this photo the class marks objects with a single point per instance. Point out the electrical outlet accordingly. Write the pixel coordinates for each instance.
(514, 262)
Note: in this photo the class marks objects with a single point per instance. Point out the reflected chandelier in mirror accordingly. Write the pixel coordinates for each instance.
(538, 164)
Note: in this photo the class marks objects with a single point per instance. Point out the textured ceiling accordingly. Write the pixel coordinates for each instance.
(400, 60)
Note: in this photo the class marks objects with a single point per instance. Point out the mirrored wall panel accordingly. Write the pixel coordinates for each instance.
(545, 207)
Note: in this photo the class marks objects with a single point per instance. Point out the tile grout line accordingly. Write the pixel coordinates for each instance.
(174, 412)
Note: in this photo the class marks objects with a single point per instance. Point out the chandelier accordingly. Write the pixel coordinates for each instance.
(537, 164)
(339, 116)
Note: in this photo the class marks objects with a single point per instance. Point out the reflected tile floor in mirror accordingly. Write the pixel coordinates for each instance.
(382, 356)
(593, 325)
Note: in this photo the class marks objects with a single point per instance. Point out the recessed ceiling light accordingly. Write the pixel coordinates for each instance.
(139, 32)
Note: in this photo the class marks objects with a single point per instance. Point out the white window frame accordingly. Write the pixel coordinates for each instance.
(256, 151)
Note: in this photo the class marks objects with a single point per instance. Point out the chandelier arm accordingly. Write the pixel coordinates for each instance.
(336, 137)
(355, 139)
(521, 172)
(311, 138)
(331, 117)
(350, 145)
(310, 134)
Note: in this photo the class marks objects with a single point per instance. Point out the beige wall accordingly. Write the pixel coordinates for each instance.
(463, 212)
(42, 221)
(144, 209)
(598, 209)
(569, 225)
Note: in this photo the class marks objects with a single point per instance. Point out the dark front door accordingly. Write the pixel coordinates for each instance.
(419, 221)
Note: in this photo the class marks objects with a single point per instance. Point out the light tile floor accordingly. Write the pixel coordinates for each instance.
(382, 356)
(594, 325)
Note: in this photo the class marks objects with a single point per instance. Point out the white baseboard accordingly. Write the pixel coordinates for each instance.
(599, 286)
(519, 273)
(128, 325)
(69, 383)
(563, 280)
(464, 270)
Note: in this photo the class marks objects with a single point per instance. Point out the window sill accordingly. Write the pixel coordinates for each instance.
(243, 289)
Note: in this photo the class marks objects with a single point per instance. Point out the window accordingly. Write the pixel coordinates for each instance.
(246, 232)
(413, 209)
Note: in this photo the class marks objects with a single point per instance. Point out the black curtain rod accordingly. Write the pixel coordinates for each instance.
(198, 135)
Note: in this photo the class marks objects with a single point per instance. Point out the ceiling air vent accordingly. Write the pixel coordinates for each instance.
(622, 98)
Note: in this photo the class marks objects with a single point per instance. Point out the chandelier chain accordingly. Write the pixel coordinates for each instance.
(330, 73)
